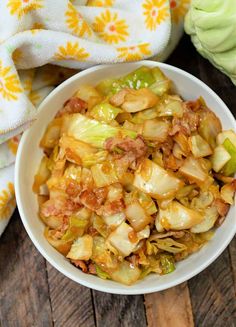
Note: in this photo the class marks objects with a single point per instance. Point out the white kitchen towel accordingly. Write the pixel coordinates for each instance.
(75, 35)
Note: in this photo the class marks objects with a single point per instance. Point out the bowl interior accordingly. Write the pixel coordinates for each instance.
(29, 156)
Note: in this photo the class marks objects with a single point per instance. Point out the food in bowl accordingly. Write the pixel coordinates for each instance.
(134, 178)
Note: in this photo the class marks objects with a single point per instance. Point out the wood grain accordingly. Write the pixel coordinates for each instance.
(24, 297)
(213, 295)
(169, 308)
(71, 303)
(232, 254)
(119, 310)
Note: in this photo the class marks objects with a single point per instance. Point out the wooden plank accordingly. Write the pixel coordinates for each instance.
(232, 254)
(119, 310)
(71, 303)
(213, 295)
(24, 298)
(169, 308)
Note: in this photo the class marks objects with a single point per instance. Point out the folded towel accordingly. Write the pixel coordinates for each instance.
(69, 35)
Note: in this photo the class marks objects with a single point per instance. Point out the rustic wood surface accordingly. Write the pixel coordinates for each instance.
(33, 293)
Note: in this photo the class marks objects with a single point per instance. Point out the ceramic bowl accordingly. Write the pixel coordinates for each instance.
(29, 155)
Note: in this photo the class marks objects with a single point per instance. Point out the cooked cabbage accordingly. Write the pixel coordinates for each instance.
(81, 249)
(155, 181)
(177, 217)
(91, 131)
(135, 181)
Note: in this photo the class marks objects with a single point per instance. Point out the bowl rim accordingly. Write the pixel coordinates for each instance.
(52, 261)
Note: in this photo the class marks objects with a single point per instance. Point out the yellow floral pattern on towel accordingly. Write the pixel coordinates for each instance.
(100, 3)
(9, 83)
(23, 7)
(155, 12)
(72, 35)
(110, 27)
(71, 51)
(7, 201)
(134, 53)
(76, 23)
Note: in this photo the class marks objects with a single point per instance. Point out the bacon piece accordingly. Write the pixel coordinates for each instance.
(187, 124)
(49, 209)
(110, 208)
(73, 105)
(92, 269)
(101, 194)
(221, 207)
(136, 146)
(73, 188)
(194, 105)
(88, 199)
(134, 150)
(92, 231)
(80, 264)
(56, 207)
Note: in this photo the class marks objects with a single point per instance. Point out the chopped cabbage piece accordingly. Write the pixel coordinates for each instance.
(52, 134)
(177, 217)
(167, 263)
(193, 170)
(140, 78)
(155, 181)
(137, 216)
(104, 112)
(156, 130)
(170, 245)
(91, 131)
(85, 92)
(102, 255)
(147, 203)
(230, 167)
(73, 172)
(104, 174)
(227, 192)
(119, 238)
(76, 228)
(230, 134)
(114, 220)
(102, 274)
(60, 245)
(144, 233)
(100, 225)
(162, 83)
(210, 127)
(170, 106)
(219, 158)
(210, 217)
(89, 94)
(133, 127)
(81, 249)
(199, 147)
(126, 273)
(134, 100)
(42, 175)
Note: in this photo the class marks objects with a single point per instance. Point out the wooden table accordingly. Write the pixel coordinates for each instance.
(33, 293)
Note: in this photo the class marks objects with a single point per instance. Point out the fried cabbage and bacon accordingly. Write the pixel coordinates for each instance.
(134, 178)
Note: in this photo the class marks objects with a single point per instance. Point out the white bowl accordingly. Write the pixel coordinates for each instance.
(29, 155)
